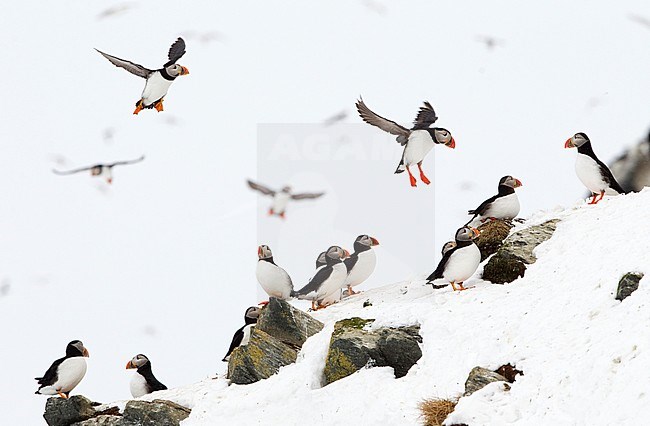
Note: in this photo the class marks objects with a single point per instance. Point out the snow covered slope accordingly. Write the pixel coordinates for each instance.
(585, 355)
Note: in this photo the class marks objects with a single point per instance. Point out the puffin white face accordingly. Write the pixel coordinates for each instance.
(337, 253)
(78, 345)
(320, 261)
(264, 252)
(510, 181)
(467, 234)
(367, 240)
(448, 246)
(253, 312)
(576, 140)
(137, 362)
(444, 137)
(175, 70)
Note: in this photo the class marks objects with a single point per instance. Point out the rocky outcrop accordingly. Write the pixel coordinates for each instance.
(491, 238)
(632, 168)
(628, 284)
(352, 348)
(479, 377)
(509, 262)
(80, 411)
(275, 341)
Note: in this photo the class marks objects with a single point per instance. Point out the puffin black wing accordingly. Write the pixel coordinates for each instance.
(176, 51)
(483, 207)
(425, 118)
(313, 285)
(384, 124)
(263, 189)
(131, 67)
(236, 341)
(122, 163)
(73, 171)
(306, 195)
(609, 178)
(441, 266)
(351, 261)
(51, 375)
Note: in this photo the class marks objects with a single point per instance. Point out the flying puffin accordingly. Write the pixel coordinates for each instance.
(361, 263)
(274, 280)
(143, 381)
(459, 263)
(448, 246)
(243, 335)
(417, 141)
(327, 279)
(504, 205)
(592, 172)
(65, 373)
(158, 81)
(281, 198)
(100, 170)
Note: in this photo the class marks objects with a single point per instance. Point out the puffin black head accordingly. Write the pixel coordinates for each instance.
(174, 70)
(364, 242)
(335, 254)
(321, 260)
(286, 189)
(137, 361)
(510, 182)
(264, 252)
(466, 233)
(76, 348)
(443, 136)
(251, 315)
(448, 246)
(577, 140)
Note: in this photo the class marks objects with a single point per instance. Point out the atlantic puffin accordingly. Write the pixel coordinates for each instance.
(504, 205)
(281, 198)
(592, 172)
(65, 373)
(274, 280)
(243, 334)
(158, 81)
(327, 279)
(332, 298)
(99, 170)
(448, 246)
(459, 263)
(143, 381)
(417, 141)
(361, 263)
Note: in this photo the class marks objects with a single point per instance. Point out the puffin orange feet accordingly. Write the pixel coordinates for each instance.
(281, 215)
(158, 105)
(62, 395)
(423, 178)
(411, 177)
(352, 292)
(138, 107)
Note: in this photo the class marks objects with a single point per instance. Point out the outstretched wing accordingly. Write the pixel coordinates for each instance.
(176, 51)
(263, 189)
(306, 195)
(135, 69)
(425, 118)
(122, 163)
(73, 171)
(384, 124)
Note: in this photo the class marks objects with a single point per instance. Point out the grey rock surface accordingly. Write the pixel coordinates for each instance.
(628, 284)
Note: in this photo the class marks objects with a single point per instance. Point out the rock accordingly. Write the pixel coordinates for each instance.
(632, 168)
(479, 377)
(155, 413)
(103, 420)
(260, 359)
(286, 323)
(353, 348)
(628, 284)
(509, 262)
(492, 235)
(64, 412)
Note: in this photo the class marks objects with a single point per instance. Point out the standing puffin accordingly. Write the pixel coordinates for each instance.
(504, 205)
(65, 373)
(321, 262)
(281, 198)
(158, 81)
(328, 279)
(100, 170)
(274, 280)
(417, 141)
(592, 172)
(361, 263)
(143, 381)
(243, 335)
(459, 263)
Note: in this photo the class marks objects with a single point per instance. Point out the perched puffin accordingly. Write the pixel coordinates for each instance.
(274, 280)
(459, 263)
(158, 81)
(100, 170)
(143, 381)
(448, 246)
(65, 373)
(592, 172)
(504, 205)
(361, 263)
(243, 335)
(321, 262)
(417, 141)
(281, 198)
(327, 279)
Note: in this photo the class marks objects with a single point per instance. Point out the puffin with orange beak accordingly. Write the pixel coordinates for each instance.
(503, 206)
(275, 281)
(143, 381)
(361, 264)
(99, 170)
(328, 279)
(417, 141)
(158, 81)
(459, 263)
(65, 373)
(592, 172)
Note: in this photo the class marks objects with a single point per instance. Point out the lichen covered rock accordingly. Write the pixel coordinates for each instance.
(491, 238)
(479, 377)
(286, 323)
(628, 284)
(64, 412)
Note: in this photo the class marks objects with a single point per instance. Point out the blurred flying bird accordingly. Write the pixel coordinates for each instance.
(281, 198)
(101, 170)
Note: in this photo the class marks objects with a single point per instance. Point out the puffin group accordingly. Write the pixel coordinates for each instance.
(337, 270)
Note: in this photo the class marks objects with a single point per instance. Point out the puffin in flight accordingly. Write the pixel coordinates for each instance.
(328, 279)
(275, 281)
(243, 335)
(503, 206)
(281, 198)
(65, 373)
(99, 170)
(143, 381)
(592, 172)
(361, 264)
(417, 141)
(459, 263)
(158, 81)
